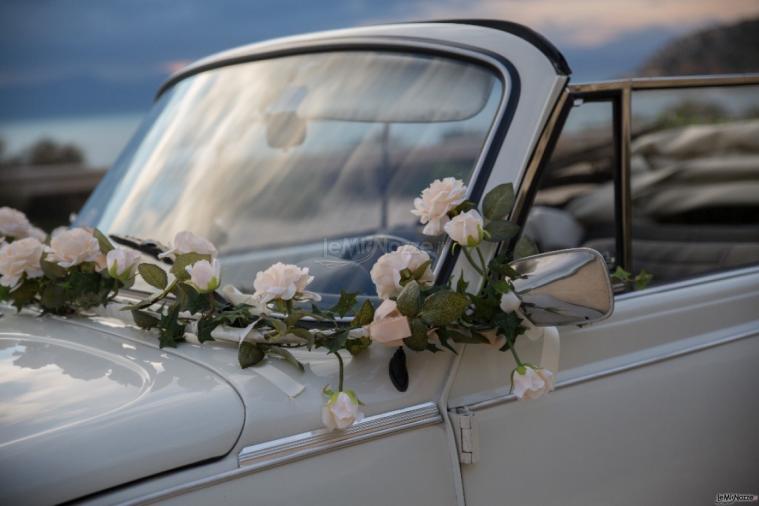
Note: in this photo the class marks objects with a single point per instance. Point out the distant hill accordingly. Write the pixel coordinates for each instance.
(719, 50)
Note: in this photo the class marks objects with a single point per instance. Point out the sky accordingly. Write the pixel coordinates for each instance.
(87, 58)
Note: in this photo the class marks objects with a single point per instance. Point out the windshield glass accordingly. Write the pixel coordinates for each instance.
(311, 159)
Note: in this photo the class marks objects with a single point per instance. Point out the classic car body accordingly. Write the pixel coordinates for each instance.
(655, 404)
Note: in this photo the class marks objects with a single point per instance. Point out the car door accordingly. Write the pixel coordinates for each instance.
(657, 404)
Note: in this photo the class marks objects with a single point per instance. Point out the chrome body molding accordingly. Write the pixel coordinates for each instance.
(503, 399)
(255, 458)
(298, 446)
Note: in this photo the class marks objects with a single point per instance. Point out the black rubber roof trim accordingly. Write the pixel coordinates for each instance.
(544, 45)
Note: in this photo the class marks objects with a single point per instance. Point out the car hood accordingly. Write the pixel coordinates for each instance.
(82, 411)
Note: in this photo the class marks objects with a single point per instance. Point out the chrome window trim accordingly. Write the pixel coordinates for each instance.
(510, 397)
(277, 452)
(690, 282)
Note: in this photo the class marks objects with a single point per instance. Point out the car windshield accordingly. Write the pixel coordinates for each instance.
(311, 159)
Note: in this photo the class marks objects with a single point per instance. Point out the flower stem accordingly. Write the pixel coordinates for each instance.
(340, 360)
(468, 256)
(514, 352)
(482, 260)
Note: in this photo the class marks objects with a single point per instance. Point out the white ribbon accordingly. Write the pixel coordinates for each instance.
(549, 356)
(272, 374)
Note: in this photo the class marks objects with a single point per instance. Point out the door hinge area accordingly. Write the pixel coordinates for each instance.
(466, 431)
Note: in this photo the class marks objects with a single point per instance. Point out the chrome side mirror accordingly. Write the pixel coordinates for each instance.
(564, 287)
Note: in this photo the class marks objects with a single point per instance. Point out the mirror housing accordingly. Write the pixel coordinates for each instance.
(564, 287)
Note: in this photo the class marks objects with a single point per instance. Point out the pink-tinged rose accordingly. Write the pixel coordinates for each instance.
(465, 228)
(121, 263)
(529, 383)
(386, 272)
(389, 326)
(283, 281)
(205, 276)
(74, 247)
(187, 242)
(341, 411)
(436, 201)
(18, 258)
(13, 223)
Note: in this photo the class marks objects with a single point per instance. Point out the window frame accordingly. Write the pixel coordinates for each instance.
(619, 93)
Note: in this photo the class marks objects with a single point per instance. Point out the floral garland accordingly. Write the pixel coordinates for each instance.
(80, 268)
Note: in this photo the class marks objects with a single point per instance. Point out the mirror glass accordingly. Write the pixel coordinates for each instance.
(564, 287)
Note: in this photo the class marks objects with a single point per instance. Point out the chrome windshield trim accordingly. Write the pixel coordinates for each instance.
(306, 444)
(506, 398)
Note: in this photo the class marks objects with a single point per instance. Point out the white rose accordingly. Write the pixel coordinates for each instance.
(465, 228)
(436, 201)
(284, 282)
(386, 272)
(187, 242)
(529, 383)
(121, 263)
(13, 223)
(389, 326)
(37, 233)
(236, 297)
(205, 276)
(510, 302)
(18, 258)
(341, 411)
(75, 246)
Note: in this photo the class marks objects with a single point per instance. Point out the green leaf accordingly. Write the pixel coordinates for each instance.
(205, 327)
(53, 297)
(337, 341)
(249, 354)
(643, 279)
(620, 275)
(410, 299)
(467, 336)
(279, 326)
(52, 270)
(356, 346)
(501, 230)
(189, 299)
(444, 307)
(498, 202)
(5, 293)
(421, 270)
(525, 247)
(442, 334)
(103, 242)
(461, 283)
(171, 330)
(145, 320)
(344, 304)
(418, 339)
(178, 269)
(286, 355)
(24, 294)
(364, 316)
(153, 275)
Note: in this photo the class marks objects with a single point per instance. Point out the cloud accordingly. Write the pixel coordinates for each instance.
(590, 23)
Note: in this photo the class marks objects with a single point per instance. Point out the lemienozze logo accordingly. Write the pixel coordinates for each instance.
(732, 498)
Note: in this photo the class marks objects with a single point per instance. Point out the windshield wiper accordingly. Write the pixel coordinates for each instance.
(147, 246)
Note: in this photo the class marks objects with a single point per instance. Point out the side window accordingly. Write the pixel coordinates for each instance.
(694, 180)
(574, 204)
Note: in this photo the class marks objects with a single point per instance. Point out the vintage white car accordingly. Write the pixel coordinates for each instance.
(310, 150)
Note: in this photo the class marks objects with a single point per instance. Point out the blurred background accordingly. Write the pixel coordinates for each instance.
(77, 76)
